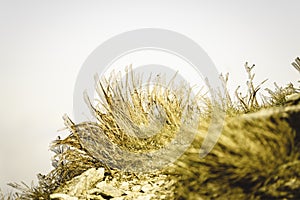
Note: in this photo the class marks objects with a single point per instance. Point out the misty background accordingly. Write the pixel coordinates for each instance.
(43, 45)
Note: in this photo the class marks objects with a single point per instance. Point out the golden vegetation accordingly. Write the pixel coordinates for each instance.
(257, 156)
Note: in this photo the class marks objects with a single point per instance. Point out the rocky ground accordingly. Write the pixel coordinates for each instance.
(92, 184)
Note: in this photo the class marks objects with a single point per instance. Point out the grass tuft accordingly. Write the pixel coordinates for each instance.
(256, 157)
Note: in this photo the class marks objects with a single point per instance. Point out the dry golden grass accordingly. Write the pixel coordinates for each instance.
(253, 159)
(256, 157)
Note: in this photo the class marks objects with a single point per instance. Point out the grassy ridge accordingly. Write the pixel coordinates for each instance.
(257, 156)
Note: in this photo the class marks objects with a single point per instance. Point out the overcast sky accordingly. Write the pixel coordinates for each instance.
(43, 45)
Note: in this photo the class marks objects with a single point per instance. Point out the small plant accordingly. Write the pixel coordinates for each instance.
(278, 97)
(249, 102)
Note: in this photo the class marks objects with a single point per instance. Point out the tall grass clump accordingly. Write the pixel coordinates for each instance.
(256, 157)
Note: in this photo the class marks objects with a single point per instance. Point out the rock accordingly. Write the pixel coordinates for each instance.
(108, 190)
(94, 197)
(160, 182)
(124, 186)
(145, 197)
(79, 185)
(118, 198)
(146, 188)
(60, 196)
(92, 185)
(136, 188)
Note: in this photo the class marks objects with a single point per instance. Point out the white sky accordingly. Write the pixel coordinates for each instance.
(44, 43)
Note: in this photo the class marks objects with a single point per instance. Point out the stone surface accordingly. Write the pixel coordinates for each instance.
(136, 188)
(108, 190)
(79, 185)
(147, 188)
(92, 185)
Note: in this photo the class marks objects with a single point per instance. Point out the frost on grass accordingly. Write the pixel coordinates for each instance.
(256, 157)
